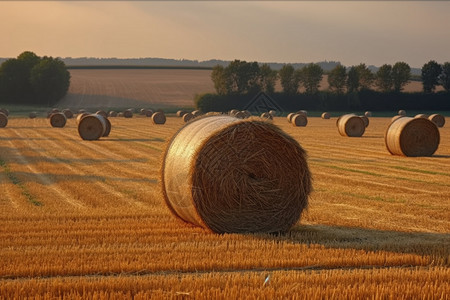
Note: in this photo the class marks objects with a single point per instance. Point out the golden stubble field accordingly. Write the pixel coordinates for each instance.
(82, 219)
(149, 87)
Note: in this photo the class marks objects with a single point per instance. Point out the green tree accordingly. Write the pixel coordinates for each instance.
(268, 78)
(383, 78)
(365, 76)
(219, 78)
(445, 76)
(290, 79)
(430, 76)
(401, 73)
(50, 80)
(337, 79)
(352, 80)
(311, 77)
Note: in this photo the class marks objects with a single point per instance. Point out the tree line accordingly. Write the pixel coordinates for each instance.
(241, 77)
(30, 79)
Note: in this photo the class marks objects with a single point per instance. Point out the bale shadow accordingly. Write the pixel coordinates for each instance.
(135, 140)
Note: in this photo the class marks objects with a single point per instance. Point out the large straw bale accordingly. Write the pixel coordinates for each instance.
(326, 115)
(437, 119)
(351, 125)
(159, 118)
(299, 120)
(3, 120)
(232, 175)
(412, 137)
(107, 127)
(233, 112)
(247, 113)
(92, 127)
(240, 115)
(58, 120)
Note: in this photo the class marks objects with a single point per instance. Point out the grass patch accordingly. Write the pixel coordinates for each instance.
(419, 171)
(19, 184)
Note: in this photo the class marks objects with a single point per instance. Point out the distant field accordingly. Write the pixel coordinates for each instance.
(147, 87)
(83, 219)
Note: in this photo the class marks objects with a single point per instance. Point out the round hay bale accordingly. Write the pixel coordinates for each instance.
(233, 112)
(326, 115)
(273, 113)
(3, 120)
(425, 116)
(187, 117)
(299, 120)
(102, 113)
(266, 115)
(247, 113)
(81, 111)
(58, 120)
(127, 113)
(302, 112)
(240, 115)
(395, 118)
(68, 113)
(196, 113)
(81, 116)
(107, 128)
(4, 111)
(148, 113)
(120, 114)
(216, 177)
(55, 110)
(32, 115)
(142, 111)
(401, 112)
(365, 120)
(351, 126)
(92, 127)
(368, 114)
(412, 137)
(181, 113)
(112, 114)
(159, 118)
(289, 117)
(437, 119)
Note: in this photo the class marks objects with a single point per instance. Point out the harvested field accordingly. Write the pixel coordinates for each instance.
(86, 219)
(149, 87)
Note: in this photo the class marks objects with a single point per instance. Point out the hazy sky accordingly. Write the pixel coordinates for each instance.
(372, 32)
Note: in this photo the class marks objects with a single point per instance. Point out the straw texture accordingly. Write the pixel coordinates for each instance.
(3, 120)
(425, 116)
(412, 137)
(58, 120)
(395, 118)
(231, 175)
(437, 119)
(351, 126)
(92, 127)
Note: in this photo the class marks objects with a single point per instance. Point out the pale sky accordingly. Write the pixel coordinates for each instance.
(352, 32)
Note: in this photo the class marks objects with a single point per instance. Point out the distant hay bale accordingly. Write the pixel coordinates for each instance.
(120, 114)
(82, 111)
(302, 112)
(365, 120)
(289, 117)
(187, 117)
(425, 116)
(196, 113)
(181, 113)
(3, 120)
(142, 111)
(107, 128)
(368, 114)
(247, 113)
(81, 116)
(257, 184)
(395, 118)
(401, 112)
(32, 115)
(437, 119)
(159, 118)
(4, 111)
(55, 110)
(240, 115)
(58, 120)
(299, 120)
(112, 114)
(148, 113)
(412, 137)
(128, 113)
(102, 113)
(92, 127)
(273, 113)
(266, 115)
(233, 112)
(68, 113)
(326, 115)
(351, 125)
